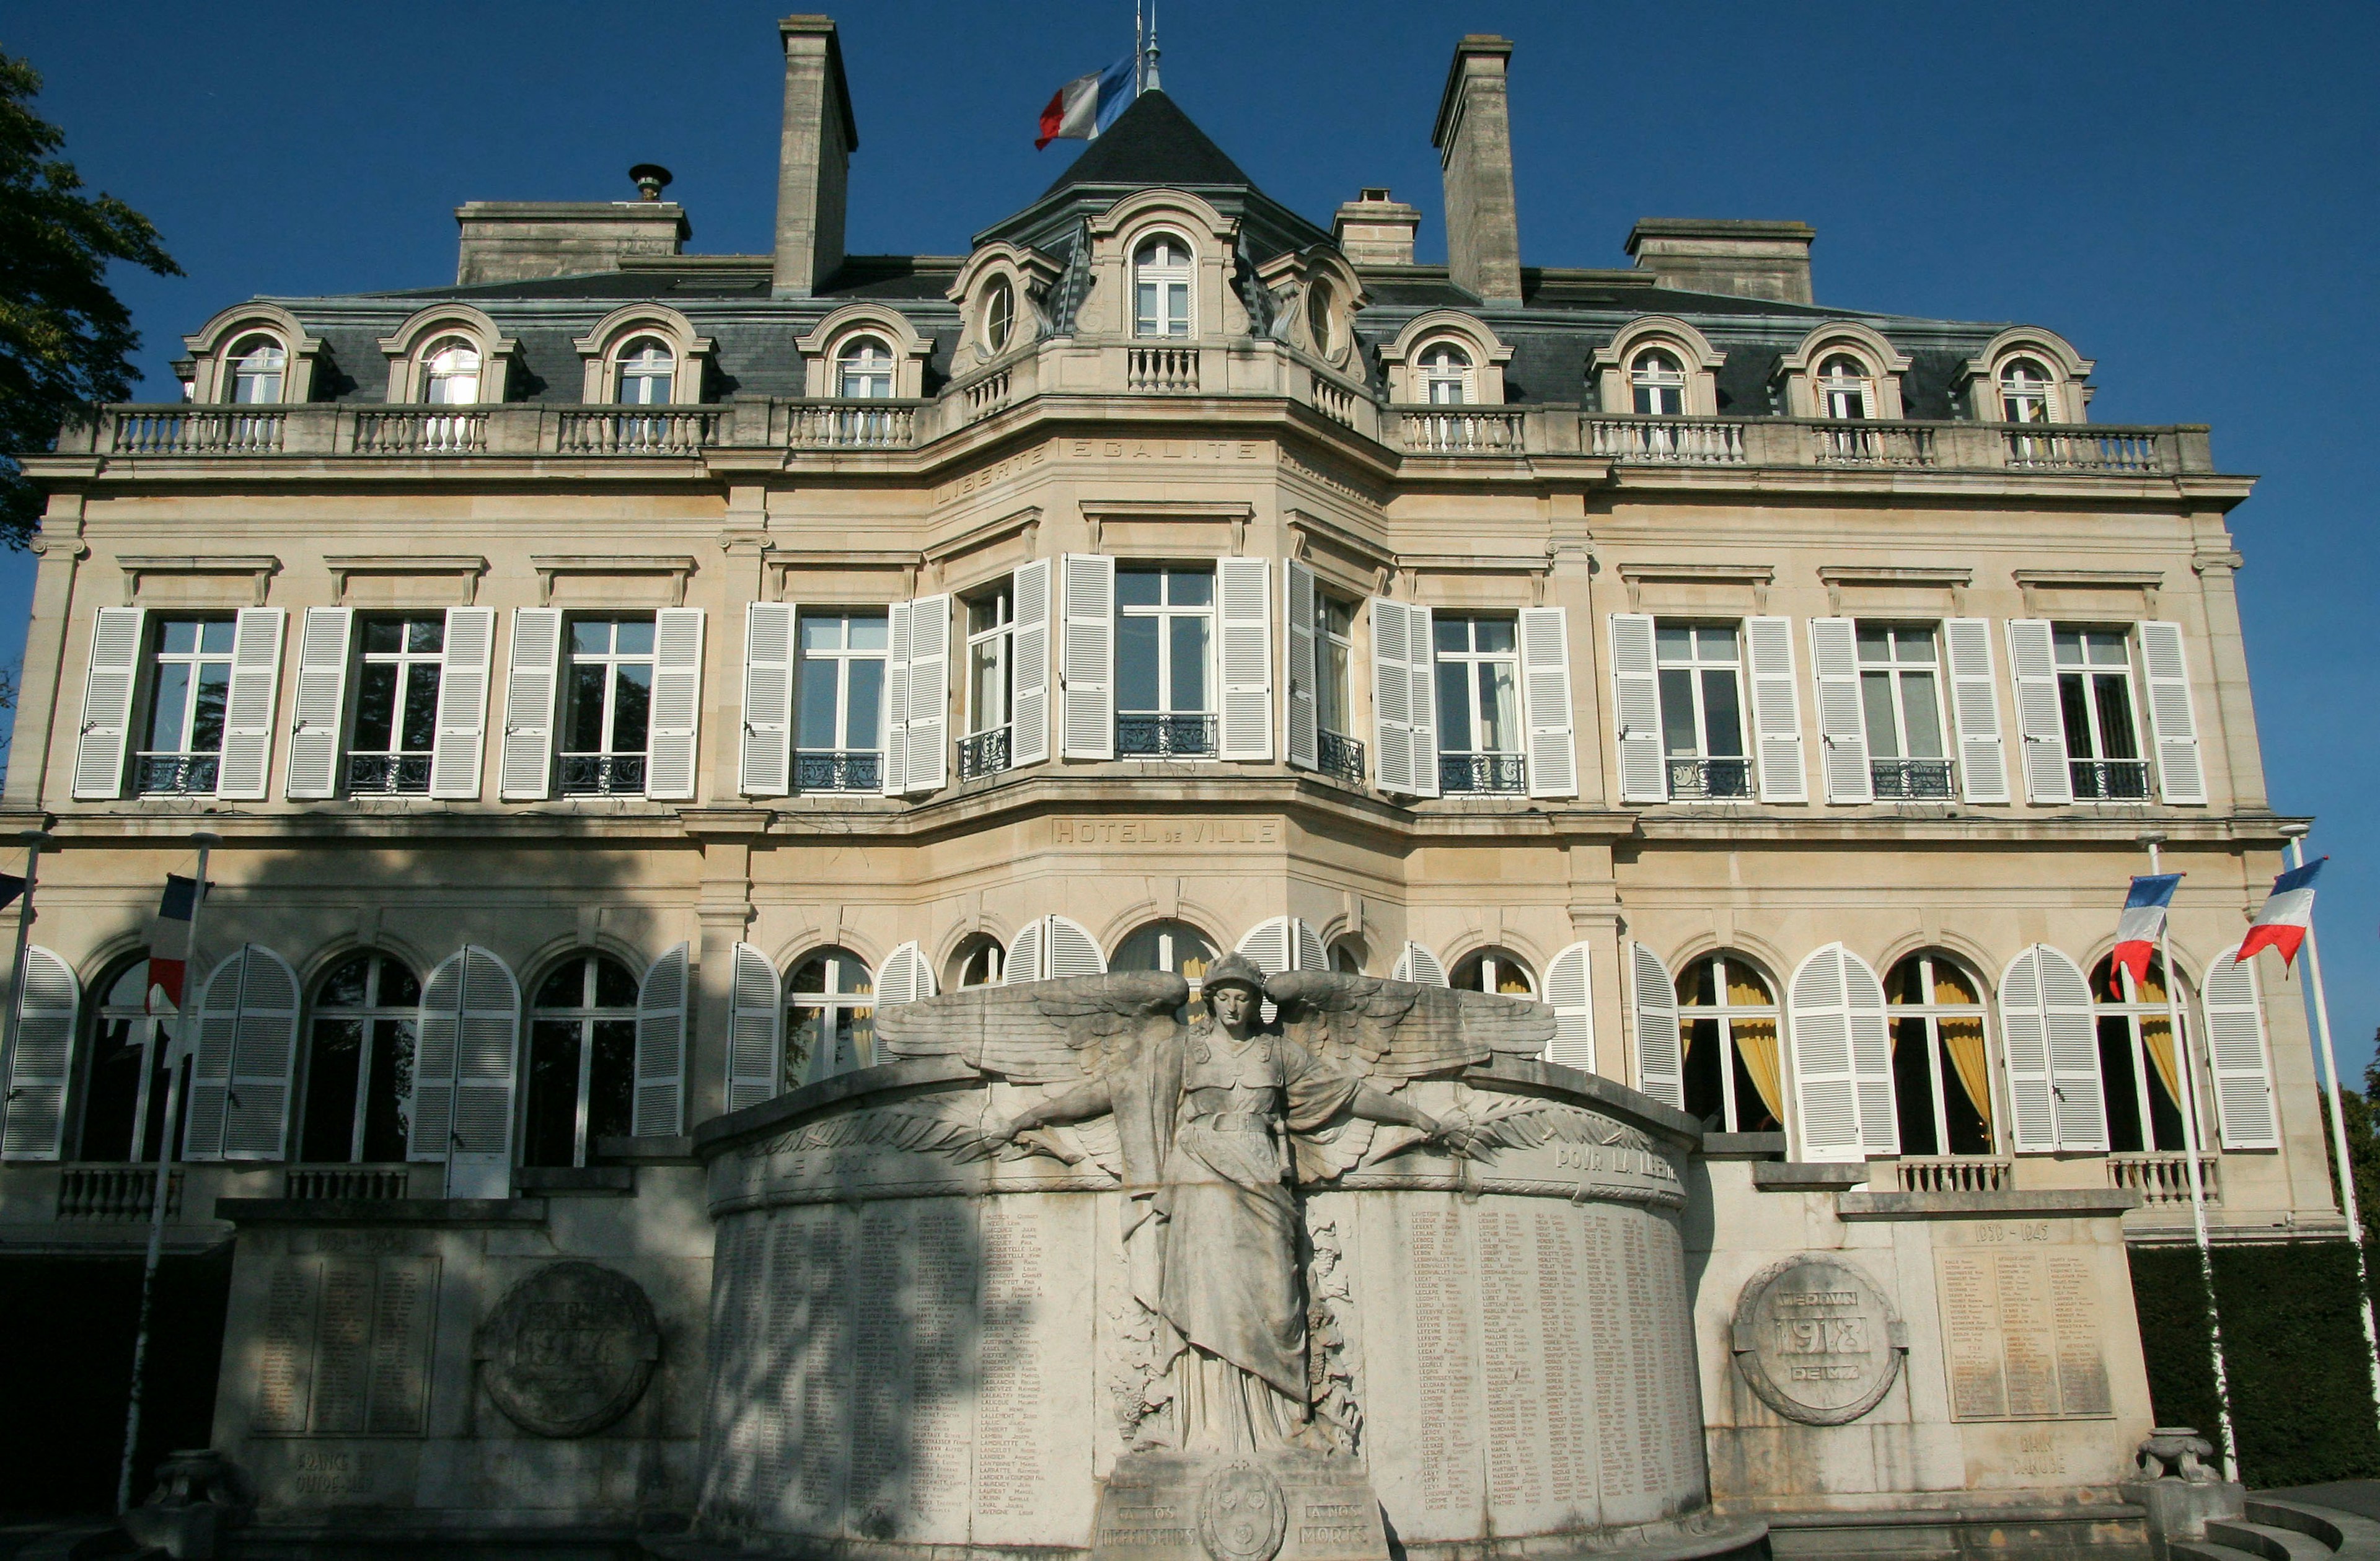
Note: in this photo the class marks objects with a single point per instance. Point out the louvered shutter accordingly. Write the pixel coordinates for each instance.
(320, 702)
(1823, 1088)
(2234, 1047)
(676, 725)
(1025, 954)
(764, 767)
(1419, 966)
(461, 737)
(246, 1056)
(1976, 709)
(1636, 707)
(1028, 665)
(1842, 725)
(2052, 1044)
(928, 695)
(1307, 944)
(2032, 667)
(1421, 674)
(1775, 710)
(1243, 592)
(1879, 1115)
(216, 1014)
(1570, 992)
(248, 704)
(116, 640)
(1546, 702)
(1301, 612)
(1391, 697)
(659, 1106)
(32, 1124)
(2025, 1047)
(525, 773)
(485, 1063)
(894, 779)
(756, 1039)
(1268, 945)
(904, 977)
(1071, 950)
(2173, 719)
(1660, 1062)
(1087, 703)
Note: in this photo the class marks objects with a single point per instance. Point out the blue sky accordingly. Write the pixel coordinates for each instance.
(2185, 192)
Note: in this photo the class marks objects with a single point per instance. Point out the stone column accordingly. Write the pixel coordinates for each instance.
(41, 685)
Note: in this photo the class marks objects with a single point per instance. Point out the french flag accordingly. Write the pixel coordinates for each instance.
(2288, 913)
(2143, 923)
(1083, 108)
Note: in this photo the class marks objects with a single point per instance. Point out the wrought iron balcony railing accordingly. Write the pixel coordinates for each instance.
(2109, 779)
(1911, 780)
(1341, 756)
(1147, 736)
(404, 775)
(1710, 779)
(986, 753)
(1490, 774)
(850, 771)
(175, 775)
(602, 775)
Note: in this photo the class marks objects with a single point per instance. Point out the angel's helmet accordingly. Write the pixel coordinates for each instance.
(1232, 970)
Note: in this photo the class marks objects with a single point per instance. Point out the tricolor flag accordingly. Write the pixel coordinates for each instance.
(2143, 923)
(1083, 108)
(2288, 913)
(166, 976)
(11, 886)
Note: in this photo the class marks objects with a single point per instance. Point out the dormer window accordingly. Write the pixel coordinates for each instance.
(1659, 383)
(1160, 277)
(2025, 392)
(864, 370)
(1318, 316)
(258, 367)
(647, 373)
(999, 316)
(450, 374)
(1446, 375)
(1843, 389)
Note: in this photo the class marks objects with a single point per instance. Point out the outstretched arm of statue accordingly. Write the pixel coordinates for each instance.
(1377, 1105)
(1080, 1105)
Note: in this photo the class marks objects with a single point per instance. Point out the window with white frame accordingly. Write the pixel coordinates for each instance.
(830, 1017)
(2025, 392)
(399, 666)
(839, 740)
(1844, 388)
(1479, 734)
(125, 1082)
(1165, 639)
(1659, 383)
(1494, 970)
(2140, 1066)
(990, 681)
(1171, 946)
(450, 372)
(2095, 703)
(978, 963)
(1941, 1069)
(998, 315)
(1334, 695)
(1445, 375)
(189, 688)
(607, 709)
(1900, 705)
(1701, 671)
(1734, 1055)
(582, 1061)
(648, 373)
(1160, 287)
(863, 369)
(259, 365)
(360, 1063)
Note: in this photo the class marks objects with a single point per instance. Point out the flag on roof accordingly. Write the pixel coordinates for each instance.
(2143, 923)
(2288, 913)
(1083, 108)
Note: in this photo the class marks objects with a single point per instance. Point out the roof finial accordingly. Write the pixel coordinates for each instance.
(1149, 68)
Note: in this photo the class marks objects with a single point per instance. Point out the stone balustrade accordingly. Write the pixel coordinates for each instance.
(381, 1183)
(116, 1193)
(1954, 1173)
(2164, 1178)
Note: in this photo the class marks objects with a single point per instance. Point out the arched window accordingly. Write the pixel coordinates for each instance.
(1726, 1023)
(2024, 391)
(1446, 375)
(1347, 956)
(258, 367)
(582, 1061)
(1843, 389)
(2140, 1068)
(1659, 383)
(359, 1062)
(1494, 970)
(830, 1017)
(647, 373)
(124, 1089)
(450, 372)
(863, 369)
(1160, 288)
(998, 315)
(1941, 1069)
(1174, 946)
(1319, 302)
(978, 963)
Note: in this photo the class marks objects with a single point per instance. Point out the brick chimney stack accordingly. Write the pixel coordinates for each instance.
(1474, 138)
(813, 158)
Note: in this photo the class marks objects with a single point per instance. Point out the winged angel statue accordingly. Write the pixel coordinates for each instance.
(1210, 1126)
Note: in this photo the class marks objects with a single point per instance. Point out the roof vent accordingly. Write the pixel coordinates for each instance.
(651, 179)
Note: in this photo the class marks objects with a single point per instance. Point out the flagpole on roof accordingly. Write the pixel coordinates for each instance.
(1139, 38)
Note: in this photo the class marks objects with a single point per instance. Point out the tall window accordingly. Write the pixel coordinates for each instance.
(1160, 288)
(1165, 634)
(608, 711)
(841, 740)
(450, 374)
(2140, 1068)
(2094, 699)
(647, 373)
(124, 1088)
(864, 371)
(1659, 383)
(397, 703)
(189, 681)
(1334, 697)
(1446, 375)
(979, 962)
(1701, 668)
(360, 1063)
(998, 315)
(582, 1061)
(1727, 1021)
(1843, 389)
(1494, 970)
(2025, 392)
(1169, 945)
(830, 1016)
(1478, 705)
(259, 365)
(991, 624)
(1941, 1073)
(1901, 697)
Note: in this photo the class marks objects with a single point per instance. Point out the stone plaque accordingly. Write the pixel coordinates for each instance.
(1280, 1506)
(2021, 1336)
(1816, 1341)
(346, 1347)
(569, 1351)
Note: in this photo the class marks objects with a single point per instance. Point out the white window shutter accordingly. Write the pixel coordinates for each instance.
(1024, 953)
(107, 690)
(216, 1014)
(1824, 1093)
(1421, 674)
(2234, 1047)
(1546, 702)
(764, 767)
(1306, 946)
(460, 736)
(1243, 626)
(1028, 665)
(1775, 710)
(1975, 709)
(1391, 697)
(1088, 704)
(2173, 719)
(1843, 724)
(2052, 1041)
(32, 1124)
(320, 705)
(657, 1108)
(756, 1041)
(249, 702)
(1301, 612)
(247, 1057)
(1419, 966)
(485, 1059)
(1879, 1116)
(1660, 1058)
(2024, 1047)
(1071, 950)
(525, 773)
(904, 977)
(928, 695)
(894, 778)
(671, 744)
(438, 1035)
(1268, 945)
(2032, 667)
(1570, 992)
(1636, 707)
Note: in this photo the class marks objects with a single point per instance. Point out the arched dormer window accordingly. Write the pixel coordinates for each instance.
(260, 365)
(863, 369)
(1658, 383)
(450, 372)
(1845, 389)
(647, 373)
(1446, 375)
(1161, 275)
(2025, 392)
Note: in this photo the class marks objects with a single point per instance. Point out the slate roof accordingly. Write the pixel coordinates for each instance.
(1152, 143)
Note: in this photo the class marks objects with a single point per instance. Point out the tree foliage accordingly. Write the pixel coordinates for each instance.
(64, 337)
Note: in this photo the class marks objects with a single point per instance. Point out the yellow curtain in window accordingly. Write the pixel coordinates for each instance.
(2156, 1039)
(1756, 1040)
(1963, 1039)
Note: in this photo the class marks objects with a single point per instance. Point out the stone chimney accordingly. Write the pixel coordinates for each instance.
(1373, 230)
(1742, 257)
(813, 157)
(529, 241)
(1474, 137)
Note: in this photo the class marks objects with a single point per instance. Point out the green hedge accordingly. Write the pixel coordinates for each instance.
(2293, 1347)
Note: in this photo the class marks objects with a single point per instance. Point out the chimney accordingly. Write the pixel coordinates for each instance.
(1740, 257)
(813, 157)
(1474, 138)
(1373, 230)
(530, 241)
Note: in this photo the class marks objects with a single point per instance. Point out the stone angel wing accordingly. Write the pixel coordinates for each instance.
(1039, 1032)
(1397, 1030)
